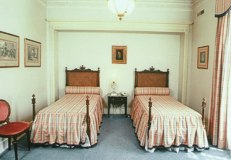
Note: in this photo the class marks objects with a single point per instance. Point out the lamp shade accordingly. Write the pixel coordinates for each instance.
(121, 7)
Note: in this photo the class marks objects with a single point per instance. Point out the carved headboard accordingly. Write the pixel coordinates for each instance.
(82, 77)
(151, 78)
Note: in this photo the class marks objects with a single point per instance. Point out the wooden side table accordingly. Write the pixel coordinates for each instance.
(117, 100)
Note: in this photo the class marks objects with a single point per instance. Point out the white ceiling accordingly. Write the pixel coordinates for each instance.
(162, 11)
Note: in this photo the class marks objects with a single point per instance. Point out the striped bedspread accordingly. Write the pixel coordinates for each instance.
(173, 123)
(64, 122)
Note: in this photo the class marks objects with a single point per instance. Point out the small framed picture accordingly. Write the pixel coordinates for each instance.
(32, 56)
(203, 57)
(9, 50)
(119, 54)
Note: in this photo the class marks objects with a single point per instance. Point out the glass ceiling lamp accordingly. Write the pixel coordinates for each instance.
(121, 7)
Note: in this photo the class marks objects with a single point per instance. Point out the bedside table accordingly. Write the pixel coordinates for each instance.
(117, 100)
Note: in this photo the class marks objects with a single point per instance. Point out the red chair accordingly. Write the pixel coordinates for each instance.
(12, 129)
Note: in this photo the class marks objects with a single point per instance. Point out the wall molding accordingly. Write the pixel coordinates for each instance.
(142, 4)
(114, 26)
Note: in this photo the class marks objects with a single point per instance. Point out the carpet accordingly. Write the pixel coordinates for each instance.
(116, 141)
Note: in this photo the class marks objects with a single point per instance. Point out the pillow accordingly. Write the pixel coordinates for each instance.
(152, 91)
(82, 90)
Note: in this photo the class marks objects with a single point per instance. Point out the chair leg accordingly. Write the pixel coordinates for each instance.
(15, 142)
(9, 143)
(28, 139)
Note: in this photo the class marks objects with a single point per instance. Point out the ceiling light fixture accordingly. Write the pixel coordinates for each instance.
(121, 7)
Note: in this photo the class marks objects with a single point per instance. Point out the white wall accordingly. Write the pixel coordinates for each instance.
(26, 19)
(204, 32)
(94, 49)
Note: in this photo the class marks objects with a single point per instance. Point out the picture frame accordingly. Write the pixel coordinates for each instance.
(32, 55)
(203, 57)
(9, 50)
(119, 54)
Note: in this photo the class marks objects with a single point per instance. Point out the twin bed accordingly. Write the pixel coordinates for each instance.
(162, 121)
(158, 118)
(75, 119)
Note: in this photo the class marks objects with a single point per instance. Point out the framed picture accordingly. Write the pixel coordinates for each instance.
(119, 54)
(203, 57)
(32, 56)
(9, 50)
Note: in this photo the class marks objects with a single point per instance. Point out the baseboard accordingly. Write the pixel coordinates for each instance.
(3, 145)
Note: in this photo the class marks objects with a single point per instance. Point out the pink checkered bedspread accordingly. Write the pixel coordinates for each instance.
(63, 122)
(172, 124)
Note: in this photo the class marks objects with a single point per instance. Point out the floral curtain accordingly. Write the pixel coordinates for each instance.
(220, 111)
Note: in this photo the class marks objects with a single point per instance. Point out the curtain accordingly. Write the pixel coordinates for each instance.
(220, 111)
(222, 6)
(224, 135)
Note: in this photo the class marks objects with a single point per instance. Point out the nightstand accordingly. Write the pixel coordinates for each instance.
(117, 100)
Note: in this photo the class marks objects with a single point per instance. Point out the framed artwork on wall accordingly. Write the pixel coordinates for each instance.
(119, 54)
(203, 57)
(9, 50)
(32, 55)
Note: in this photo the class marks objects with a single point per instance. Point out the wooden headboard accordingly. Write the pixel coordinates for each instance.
(151, 78)
(82, 77)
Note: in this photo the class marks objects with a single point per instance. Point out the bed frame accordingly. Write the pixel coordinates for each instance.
(82, 77)
(151, 78)
(79, 77)
(156, 78)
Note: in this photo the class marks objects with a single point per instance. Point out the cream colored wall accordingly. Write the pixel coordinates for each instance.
(204, 31)
(26, 19)
(93, 50)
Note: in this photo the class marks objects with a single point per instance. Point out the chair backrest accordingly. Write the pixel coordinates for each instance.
(4, 111)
